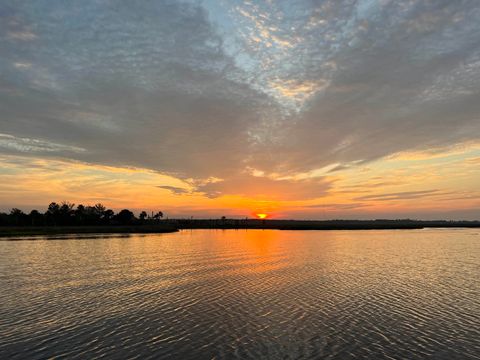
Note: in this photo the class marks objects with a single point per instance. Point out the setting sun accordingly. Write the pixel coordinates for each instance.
(229, 179)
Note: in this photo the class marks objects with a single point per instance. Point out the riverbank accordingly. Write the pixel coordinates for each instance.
(382, 224)
(174, 225)
(59, 230)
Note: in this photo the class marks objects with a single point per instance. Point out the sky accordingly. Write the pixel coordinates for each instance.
(312, 109)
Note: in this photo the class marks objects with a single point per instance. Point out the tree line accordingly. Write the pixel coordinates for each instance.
(66, 214)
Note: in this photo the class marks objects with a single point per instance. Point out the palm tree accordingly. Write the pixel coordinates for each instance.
(158, 215)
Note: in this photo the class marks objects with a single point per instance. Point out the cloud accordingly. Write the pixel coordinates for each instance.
(174, 189)
(209, 90)
(21, 35)
(26, 145)
(265, 188)
(389, 91)
(146, 86)
(404, 195)
(336, 206)
(35, 182)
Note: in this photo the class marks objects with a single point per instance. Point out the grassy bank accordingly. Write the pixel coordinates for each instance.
(58, 230)
(173, 225)
(319, 224)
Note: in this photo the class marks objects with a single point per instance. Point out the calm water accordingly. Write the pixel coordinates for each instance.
(406, 294)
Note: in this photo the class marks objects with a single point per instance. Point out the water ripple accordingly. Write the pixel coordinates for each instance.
(243, 294)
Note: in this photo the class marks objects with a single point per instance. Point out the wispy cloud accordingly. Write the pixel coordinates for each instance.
(404, 195)
(23, 35)
(174, 189)
(27, 145)
(265, 188)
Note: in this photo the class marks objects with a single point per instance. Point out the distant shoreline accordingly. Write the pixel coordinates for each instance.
(174, 225)
(381, 224)
(8, 231)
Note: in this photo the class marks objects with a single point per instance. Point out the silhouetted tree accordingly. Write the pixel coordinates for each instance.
(66, 213)
(52, 214)
(80, 215)
(99, 209)
(4, 219)
(93, 215)
(53, 208)
(158, 216)
(125, 217)
(36, 218)
(108, 216)
(18, 217)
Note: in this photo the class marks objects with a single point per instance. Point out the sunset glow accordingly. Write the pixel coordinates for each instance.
(193, 109)
(230, 179)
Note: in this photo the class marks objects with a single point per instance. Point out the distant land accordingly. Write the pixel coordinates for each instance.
(21, 231)
(173, 225)
(66, 218)
(319, 224)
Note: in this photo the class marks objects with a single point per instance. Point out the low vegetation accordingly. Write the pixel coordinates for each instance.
(65, 218)
(66, 214)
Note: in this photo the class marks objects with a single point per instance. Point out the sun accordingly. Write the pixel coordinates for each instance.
(262, 216)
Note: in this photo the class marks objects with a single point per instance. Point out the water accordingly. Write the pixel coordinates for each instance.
(202, 294)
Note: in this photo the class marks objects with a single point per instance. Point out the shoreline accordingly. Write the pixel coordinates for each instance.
(379, 224)
(171, 226)
(66, 230)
